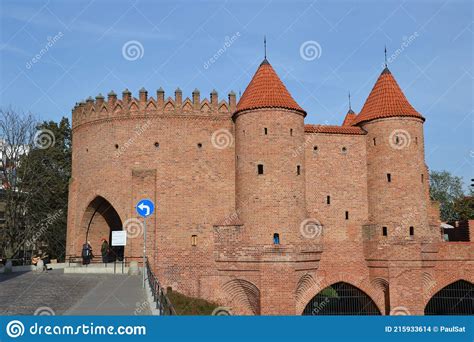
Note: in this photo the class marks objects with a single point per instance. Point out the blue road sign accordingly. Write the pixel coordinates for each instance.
(145, 207)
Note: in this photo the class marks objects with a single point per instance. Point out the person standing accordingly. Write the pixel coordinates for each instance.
(104, 250)
(87, 253)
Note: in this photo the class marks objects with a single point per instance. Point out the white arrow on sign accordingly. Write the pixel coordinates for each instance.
(144, 206)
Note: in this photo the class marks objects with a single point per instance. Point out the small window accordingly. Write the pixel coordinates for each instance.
(347, 215)
(344, 149)
(265, 131)
(194, 240)
(276, 239)
(389, 177)
(412, 231)
(116, 146)
(243, 131)
(422, 178)
(328, 199)
(315, 148)
(291, 131)
(416, 140)
(260, 169)
(199, 145)
(298, 170)
(384, 231)
(375, 142)
(157, 144)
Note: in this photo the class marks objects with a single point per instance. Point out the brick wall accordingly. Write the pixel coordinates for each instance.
(200, 167)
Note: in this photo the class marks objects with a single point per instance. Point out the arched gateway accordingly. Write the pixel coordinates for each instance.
(99, 220)
(454, 299)
(341, 299)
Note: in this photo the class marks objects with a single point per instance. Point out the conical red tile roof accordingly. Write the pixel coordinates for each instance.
(266, 90)
(386, 100)
(350, 116)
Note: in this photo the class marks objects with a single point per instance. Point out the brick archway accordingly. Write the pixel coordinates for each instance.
(341, 299)
(456, 298)
(98, 221)
(441, 282)
(244, 296)
(322, 280)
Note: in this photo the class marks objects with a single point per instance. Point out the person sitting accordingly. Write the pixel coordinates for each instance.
(41, 259)
(34, 259)
(46, 261)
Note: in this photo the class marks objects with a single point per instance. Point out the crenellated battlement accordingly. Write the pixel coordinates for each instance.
(100, 108)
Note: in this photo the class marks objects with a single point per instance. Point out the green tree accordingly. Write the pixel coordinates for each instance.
(446, 189)
(464, 208)
(46, 185)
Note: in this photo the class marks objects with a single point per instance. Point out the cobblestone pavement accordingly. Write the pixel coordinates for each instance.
(71, 294)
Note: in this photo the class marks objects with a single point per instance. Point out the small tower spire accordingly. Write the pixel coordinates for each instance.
(385, 55)
(265, 46)
(350, 107)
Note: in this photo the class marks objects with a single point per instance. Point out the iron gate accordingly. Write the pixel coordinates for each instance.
(454, 299)
(341, 299)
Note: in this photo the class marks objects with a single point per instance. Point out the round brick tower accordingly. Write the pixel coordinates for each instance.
(397, 174)
(270, 172)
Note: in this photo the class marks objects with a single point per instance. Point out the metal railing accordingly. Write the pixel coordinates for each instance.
(163, 304)
(117, 264)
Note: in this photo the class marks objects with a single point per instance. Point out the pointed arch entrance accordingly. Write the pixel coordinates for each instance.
(341, 299)
(455, 299)
(99, 220)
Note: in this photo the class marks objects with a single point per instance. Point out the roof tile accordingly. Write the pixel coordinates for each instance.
(386, 100)
(354, 130)
(266, 90)
(350, 116)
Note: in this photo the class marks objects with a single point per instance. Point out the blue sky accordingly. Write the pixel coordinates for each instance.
(433, 64)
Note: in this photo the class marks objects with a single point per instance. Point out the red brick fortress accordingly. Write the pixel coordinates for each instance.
(263, 214)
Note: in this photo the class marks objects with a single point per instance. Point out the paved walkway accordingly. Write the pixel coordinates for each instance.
(71, 294)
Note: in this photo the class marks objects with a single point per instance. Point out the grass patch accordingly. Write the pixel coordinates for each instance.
(185, 305)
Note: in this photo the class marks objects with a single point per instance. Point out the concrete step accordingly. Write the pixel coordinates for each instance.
(99, 268)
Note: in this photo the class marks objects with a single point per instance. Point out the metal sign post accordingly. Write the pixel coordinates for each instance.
(144, 250)
(145, 208)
